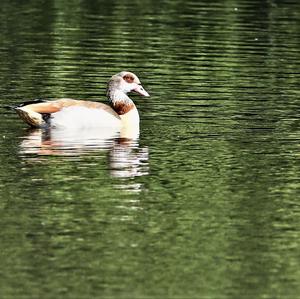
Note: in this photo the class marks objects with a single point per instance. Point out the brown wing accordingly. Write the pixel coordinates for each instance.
(63, 103)
(32, 113)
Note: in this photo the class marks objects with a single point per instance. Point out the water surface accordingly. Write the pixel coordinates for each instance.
(205, 204)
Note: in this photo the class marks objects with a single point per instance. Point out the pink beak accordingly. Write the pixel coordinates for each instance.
(140, 90)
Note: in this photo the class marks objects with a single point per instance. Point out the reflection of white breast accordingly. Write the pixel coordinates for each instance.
(129, 161)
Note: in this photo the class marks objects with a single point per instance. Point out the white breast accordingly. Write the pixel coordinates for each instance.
(130, 124)
(131, 118)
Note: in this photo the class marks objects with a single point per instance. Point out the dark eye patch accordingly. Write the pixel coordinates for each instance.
(128, 78)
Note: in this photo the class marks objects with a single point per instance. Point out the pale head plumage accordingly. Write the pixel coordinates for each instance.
(124, 82)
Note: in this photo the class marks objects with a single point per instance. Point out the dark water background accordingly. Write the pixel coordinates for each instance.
(206, 203)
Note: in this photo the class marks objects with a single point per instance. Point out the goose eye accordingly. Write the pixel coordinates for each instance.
(128, 78)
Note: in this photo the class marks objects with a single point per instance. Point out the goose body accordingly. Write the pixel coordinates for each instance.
(121, 113)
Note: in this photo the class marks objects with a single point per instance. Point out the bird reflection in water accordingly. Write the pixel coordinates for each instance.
(126, 158)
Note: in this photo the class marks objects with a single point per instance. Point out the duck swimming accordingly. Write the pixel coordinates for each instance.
(69, 113)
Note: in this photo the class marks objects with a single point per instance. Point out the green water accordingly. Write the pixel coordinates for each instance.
(206, 203)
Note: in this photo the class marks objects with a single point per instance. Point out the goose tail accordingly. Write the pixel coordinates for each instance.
(32, 118)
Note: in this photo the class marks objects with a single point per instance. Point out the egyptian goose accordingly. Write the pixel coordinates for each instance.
(121, 111)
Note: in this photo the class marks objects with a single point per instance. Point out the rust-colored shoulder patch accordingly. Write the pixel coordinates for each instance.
(128, 78)
(122, 108)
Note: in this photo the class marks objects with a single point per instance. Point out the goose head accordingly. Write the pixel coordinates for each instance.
(122, 83)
